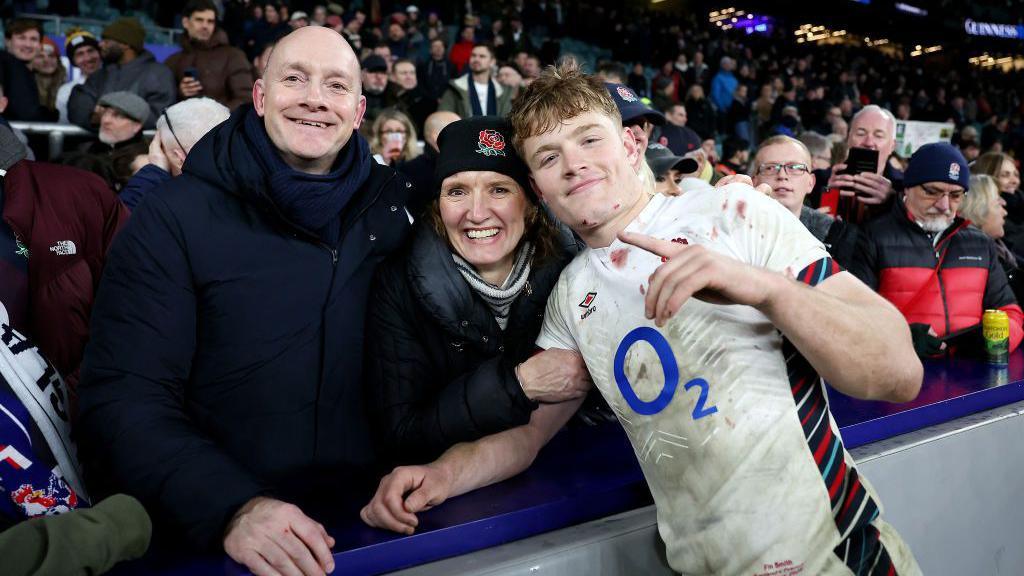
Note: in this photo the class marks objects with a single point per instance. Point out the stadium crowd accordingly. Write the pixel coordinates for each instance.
(422, 180)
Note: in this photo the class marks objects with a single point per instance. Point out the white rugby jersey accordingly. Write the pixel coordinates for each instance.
(730, 424)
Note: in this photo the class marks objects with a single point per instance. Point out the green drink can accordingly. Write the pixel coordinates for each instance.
(995, 329)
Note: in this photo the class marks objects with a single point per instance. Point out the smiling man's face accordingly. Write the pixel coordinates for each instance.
(583, 170)
(310, 98)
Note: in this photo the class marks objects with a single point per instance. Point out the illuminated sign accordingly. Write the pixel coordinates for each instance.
(994, 30)
(911, 9)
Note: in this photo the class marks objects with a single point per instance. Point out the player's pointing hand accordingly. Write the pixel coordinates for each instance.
(693, 270)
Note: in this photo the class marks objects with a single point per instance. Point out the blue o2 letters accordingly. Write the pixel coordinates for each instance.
(670, 369)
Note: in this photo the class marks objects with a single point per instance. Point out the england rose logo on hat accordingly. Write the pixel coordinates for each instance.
(626, 94)
(954, 171)
(491, 143)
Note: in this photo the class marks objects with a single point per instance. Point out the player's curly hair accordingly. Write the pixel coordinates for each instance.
(561, 93)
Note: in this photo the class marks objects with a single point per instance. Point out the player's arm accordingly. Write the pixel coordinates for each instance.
(463, 468)
(853, 337)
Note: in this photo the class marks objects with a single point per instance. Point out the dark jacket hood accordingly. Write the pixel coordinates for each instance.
(437, 283)
(226, 158)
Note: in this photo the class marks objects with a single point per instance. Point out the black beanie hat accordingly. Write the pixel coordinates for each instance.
(480, 143)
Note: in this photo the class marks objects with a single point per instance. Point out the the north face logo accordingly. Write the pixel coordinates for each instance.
(64, 248)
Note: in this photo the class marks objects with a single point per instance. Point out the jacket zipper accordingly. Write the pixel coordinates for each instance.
(323, 314)
(939, 255)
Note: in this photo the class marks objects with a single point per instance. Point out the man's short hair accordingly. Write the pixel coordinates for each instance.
(878, 110)
(672, 106)
(510, 64)
(559, 94)
(817, 144)
(191, 119)
(774, 141)
(194, 6)
(610, 69)
(22, 25)
(490, 48)
(733, 145)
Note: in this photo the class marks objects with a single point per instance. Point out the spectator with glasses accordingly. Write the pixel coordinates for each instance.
(784, 164)
(938, 271)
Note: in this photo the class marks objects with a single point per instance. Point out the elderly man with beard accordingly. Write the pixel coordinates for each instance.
(118, 142)
(227, 404)
(128, 66)
(939, 272)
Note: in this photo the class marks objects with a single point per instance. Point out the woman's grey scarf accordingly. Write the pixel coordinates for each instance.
(499, 298)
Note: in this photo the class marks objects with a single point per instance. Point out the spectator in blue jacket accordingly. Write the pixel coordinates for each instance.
(222, 381)
(723, 85)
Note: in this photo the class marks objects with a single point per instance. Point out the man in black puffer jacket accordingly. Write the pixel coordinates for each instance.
(224, 367)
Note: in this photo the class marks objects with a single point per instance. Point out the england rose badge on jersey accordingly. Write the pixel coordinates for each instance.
(954, 171)
(491, 143)
(626, 94)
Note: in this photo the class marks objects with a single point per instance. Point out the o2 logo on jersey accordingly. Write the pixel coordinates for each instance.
(670, 369)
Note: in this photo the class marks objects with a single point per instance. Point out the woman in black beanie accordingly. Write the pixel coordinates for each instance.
(453, 318)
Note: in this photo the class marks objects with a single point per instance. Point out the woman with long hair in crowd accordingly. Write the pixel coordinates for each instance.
(1004, 172)
(393, 137)
(49, 72)
(985, 208)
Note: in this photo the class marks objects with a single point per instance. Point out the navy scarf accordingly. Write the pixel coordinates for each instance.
(474, 99)
(311, 201)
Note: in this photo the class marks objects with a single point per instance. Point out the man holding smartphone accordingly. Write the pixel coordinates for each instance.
(208, 65)
(874, 129)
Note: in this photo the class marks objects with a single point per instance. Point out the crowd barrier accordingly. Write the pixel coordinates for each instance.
(56, 133)
(587, 485)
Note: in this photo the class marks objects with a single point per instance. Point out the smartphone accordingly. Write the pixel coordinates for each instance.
(861, 160)
(191, 72)
(830, 200)
(395, 138)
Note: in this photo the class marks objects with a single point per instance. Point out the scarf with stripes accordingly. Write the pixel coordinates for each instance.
(499, 298)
